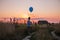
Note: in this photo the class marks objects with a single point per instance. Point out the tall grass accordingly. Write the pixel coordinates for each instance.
(44, 33)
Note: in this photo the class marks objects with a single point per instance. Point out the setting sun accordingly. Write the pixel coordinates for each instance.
(24, 16)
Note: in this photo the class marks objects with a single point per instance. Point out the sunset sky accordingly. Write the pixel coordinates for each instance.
(49, 9)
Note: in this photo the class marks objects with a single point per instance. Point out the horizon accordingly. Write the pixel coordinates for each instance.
(32, 19)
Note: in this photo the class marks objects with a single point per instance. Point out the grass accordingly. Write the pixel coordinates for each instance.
(18, 33)
(44, 33)
(41, 32)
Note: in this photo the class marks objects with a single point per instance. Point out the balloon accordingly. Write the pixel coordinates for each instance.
(31, 9)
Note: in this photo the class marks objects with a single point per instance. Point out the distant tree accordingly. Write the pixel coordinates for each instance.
(59, 22)
(35, 23)
(52, 24)
(14, 20)
(10, 19)
(42, 22)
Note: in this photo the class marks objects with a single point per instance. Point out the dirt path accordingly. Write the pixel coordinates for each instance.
(28, 37)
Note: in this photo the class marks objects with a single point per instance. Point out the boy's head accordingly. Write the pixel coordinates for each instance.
(28, 18)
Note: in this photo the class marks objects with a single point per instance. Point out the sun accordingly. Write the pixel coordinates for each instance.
(24, 16)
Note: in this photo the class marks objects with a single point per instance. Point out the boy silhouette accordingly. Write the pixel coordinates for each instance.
(28, 25)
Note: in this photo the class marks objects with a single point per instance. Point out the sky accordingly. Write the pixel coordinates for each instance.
(49, 9)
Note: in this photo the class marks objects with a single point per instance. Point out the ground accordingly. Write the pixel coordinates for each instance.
(41, 32)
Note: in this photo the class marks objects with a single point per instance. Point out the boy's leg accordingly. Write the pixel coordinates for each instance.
(29, 29)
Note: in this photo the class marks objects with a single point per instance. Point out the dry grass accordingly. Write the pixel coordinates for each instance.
(44, 32)
(14, 32)
(11, 31)
(6, 28)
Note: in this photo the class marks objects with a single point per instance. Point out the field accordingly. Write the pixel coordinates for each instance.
(9, 31)
(42, 32)
(45, 33)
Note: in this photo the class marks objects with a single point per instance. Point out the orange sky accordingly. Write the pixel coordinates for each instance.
(20, 9)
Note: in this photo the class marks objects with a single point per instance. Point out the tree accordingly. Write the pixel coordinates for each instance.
(42, 22)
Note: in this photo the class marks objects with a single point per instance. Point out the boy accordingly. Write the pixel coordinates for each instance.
(28, 25)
